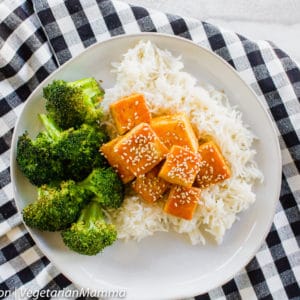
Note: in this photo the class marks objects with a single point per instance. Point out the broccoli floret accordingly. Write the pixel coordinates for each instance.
(106, 185)
(36, 159)
(78, 149)
(56, 207)
(90, 234)
(71, 104)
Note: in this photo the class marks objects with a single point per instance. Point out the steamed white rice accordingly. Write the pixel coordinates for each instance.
(168, 89)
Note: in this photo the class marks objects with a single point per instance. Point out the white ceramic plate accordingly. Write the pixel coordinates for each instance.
(165, 265)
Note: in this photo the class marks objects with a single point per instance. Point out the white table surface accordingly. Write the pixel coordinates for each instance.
(276, 21)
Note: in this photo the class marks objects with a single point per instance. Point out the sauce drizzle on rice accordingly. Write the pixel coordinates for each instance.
(168, 89)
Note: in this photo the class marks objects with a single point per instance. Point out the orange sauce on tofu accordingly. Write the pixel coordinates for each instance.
(214, 168)
(114, 160)
(149, 186)
(175, 130)
(140, 149)
(130, 111)
(181, 166)
(165, 153)
(182, 202)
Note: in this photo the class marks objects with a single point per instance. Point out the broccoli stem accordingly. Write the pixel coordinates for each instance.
(88, 183)
(51, 128)
(106, 185)
(91, 213)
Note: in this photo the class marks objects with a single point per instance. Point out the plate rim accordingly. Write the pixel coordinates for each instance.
(178, 292)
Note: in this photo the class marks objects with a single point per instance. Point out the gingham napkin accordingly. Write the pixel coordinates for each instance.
(38, 36)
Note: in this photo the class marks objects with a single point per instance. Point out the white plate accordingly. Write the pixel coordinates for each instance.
(165, 265)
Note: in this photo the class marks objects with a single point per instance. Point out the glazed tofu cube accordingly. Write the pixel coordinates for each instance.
(149, 186)
(181, 166)
(114, 160)
(214, 168)
(175, 130)
(140, 149)
(129, 112)
(182, 202)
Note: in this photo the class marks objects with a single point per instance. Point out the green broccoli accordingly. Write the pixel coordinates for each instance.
(36, 159)
(78, 150)
(90, 234)
(56, 207)
(106, 185)
(71, 104)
